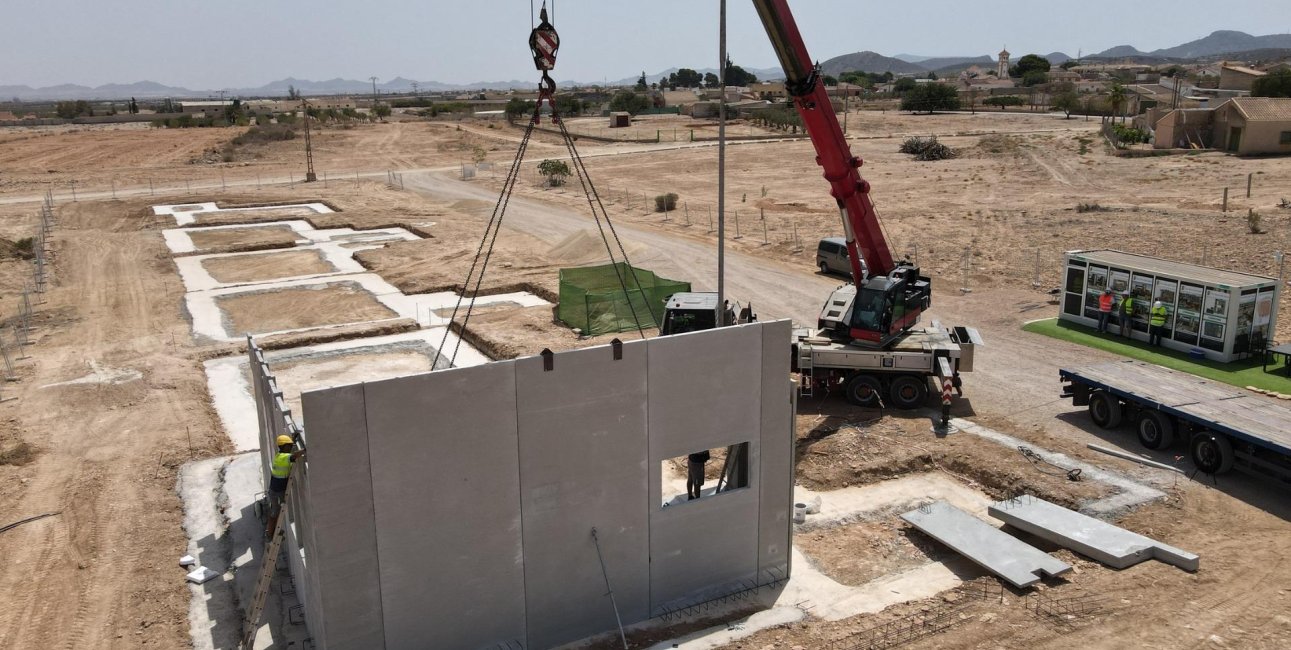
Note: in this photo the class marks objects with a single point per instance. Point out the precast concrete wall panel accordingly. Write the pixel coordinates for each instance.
(705, 393)
(344, 540)
(777, 451)
(582, 428)
(446, 489)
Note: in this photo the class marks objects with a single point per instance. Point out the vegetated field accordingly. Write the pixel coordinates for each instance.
(101, 574)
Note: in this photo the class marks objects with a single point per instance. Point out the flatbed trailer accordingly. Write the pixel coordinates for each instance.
(1222, 427)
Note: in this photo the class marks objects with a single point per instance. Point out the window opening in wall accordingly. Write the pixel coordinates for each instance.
(705, 473)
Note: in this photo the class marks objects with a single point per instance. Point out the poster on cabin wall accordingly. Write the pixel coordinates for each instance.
(1120, 281)
(1264, 309)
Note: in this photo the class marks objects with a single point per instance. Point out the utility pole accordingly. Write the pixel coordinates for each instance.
(721, 166)
(374, 90)
(414, 89)
(310, 176)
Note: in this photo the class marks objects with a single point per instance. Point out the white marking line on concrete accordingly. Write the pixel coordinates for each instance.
(1094, 538)
(1132, 493)
(188, 213)
(180, 241)
(228, 379)
(1008, 557)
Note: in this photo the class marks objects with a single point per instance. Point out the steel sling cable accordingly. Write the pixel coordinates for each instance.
(494, 224)
(593, 200)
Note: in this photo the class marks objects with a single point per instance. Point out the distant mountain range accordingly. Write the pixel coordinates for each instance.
(1231, 43)
(915, 64)
(1220, 42)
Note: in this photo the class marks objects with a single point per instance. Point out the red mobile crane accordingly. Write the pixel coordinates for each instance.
(865, 339)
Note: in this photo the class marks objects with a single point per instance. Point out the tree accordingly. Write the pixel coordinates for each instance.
(569, 105)
(134, 107)
(1029, 63)
(1274, 84)
(686, 78)
(382, 111)
(626, 100)
(829, 80)
(1004, 101)
(1034, 78)
(292, 93)
(1069, 64)
(516, 107)
(737, 76)
(904, 84)
(641, 82)
(932, 75)
(1117, 96)
(1066, 101)
(711, 80)
(556, 171)
(931, 97)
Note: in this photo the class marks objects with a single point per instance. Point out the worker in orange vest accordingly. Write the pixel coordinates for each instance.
(1104, 310)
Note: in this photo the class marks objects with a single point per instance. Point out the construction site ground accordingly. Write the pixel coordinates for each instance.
(104, 451)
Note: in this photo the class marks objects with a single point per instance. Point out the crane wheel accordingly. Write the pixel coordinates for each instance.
(1156, 430)
(908, 392)
(1105, 410)
(865, 390)
(1212, 453)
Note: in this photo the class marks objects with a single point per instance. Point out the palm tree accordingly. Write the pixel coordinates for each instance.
(1118, 97)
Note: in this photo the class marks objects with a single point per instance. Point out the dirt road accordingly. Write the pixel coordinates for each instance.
(103, 574)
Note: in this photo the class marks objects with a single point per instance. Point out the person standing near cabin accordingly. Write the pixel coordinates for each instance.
(1127, 314)
(1156, 323)
(1105, 310)
(695, 473)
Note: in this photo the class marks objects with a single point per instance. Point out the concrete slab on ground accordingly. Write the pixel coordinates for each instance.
(189, 213)
(1094, 538)
(225, 536)
(1021, 564)
(180, 240)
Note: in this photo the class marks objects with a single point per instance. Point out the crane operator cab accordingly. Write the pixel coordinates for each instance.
(880, 310)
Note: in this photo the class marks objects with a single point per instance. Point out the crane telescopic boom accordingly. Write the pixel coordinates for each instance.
(888, 295)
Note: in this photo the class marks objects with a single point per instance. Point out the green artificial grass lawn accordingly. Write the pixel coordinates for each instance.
(1248, 372)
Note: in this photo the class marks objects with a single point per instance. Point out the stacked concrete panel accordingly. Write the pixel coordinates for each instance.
(1021, 564)
(455, 508)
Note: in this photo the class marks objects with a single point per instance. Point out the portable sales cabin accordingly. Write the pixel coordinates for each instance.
(1226, 314)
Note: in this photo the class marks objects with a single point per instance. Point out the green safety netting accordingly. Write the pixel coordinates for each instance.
(592, 299)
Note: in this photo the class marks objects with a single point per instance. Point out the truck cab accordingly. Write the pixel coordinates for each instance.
(695, 311)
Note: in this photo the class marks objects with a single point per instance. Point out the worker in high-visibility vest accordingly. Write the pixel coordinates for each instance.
(1126, 314)
(1156, 323)
(279, 470)
(1104, 310)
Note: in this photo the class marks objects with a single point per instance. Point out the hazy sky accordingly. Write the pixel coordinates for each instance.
(246, 43)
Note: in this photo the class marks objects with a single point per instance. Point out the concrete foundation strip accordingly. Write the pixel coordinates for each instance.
(1021, 564)
(1094, 538)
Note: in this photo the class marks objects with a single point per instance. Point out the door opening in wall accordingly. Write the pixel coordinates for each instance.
(705, 473)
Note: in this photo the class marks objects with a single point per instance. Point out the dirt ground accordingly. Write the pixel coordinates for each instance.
(299, 307)
(267, 266)
(229, 240)
(102, 573)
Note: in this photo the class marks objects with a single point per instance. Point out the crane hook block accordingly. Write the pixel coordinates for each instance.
(543, 42)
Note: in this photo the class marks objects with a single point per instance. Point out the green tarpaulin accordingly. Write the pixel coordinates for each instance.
(592, 298)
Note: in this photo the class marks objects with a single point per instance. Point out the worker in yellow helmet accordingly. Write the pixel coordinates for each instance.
(279, 470)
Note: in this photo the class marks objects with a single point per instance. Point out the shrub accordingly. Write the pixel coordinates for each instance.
(1091, 207)
(1253, 222)
(265, 134)
(665, 202)
(556, 171)
(928, 149)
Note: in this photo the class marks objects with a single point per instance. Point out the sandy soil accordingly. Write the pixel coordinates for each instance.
(299, 307)
(228, 240)
(267, 266)
(102, 575)
(530, 330)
